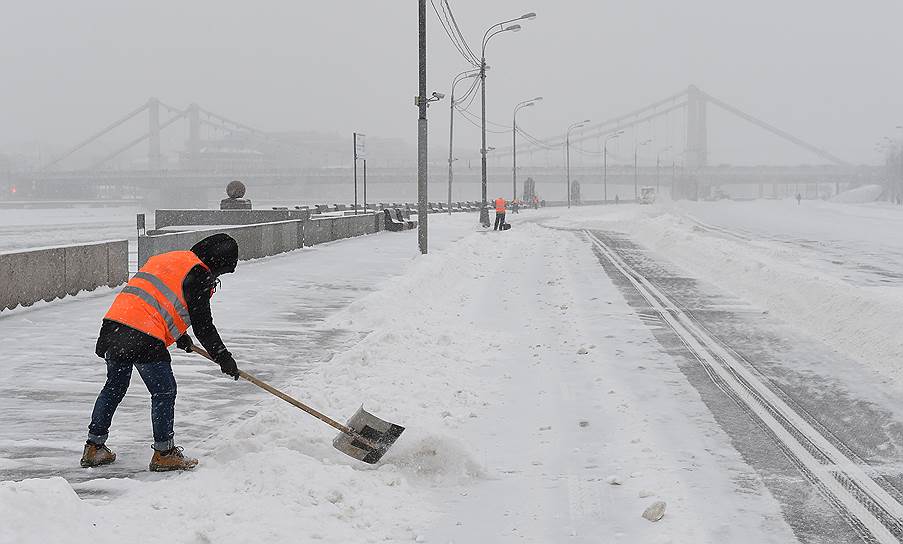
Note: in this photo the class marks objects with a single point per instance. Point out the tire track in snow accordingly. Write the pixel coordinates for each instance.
(870, 509)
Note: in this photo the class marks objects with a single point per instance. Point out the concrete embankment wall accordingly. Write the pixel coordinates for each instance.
(328, 229)
(169, 218)
(254, 240)
(50, 273)
(54, 272)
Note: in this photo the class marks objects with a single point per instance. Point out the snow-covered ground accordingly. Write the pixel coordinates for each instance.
(539, 407)
(833, 271)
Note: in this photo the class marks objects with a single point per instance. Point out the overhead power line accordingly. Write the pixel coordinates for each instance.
(453, 36)
(454, 23)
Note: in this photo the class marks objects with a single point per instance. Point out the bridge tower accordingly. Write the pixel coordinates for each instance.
(194, 135)
(154, 157)
(697, 134)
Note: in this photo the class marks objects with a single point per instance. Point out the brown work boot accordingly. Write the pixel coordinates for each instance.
(96, 455)
(163, 461)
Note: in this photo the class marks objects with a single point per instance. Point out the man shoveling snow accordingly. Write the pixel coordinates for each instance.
(170, 293)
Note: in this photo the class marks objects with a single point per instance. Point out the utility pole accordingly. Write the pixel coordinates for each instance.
(421, 138)
(608, 138)
(519, 106)
(636, 173)
(494, 30)
(567, 163)
(466, 74)
(484, 211)
(354, 145)
(451, 139)
(658, 180)
(514, 157)
(658, 160)
(900, 187)
(567, 154)
(605, 172)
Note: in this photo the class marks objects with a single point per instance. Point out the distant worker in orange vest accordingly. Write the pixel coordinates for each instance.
(499, 213)
(170, 293)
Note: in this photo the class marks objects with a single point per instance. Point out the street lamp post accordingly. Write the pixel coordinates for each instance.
(567, 146)
(519, 106)
(466, 74)
(493, 30)
(658, 158)
(900, 188)
(605, 163)
(636, 172)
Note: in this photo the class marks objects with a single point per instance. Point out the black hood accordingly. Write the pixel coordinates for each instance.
(219, 252)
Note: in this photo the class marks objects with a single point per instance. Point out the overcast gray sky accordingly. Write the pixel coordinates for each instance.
(827, 71)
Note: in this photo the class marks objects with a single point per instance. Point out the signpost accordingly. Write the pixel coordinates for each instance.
(360, 152)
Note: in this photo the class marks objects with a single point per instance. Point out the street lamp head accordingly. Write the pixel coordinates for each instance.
(537, 99)
(513, 28)
(528, 16)
(585, 121)
(438, 96)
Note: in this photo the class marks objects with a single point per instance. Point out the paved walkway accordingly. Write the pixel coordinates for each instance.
(266, 313)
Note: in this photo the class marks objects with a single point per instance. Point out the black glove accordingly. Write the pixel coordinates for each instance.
(227, 364)
(184, 342)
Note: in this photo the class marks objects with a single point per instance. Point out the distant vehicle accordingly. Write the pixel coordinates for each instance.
(647, 195)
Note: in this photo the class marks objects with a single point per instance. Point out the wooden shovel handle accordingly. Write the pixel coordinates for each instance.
(270, 389)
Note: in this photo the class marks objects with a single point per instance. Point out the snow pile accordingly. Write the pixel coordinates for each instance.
(49, 506)
(858, 321)
(859, 195)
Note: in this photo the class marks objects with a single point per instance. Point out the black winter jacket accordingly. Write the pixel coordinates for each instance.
(123, 343)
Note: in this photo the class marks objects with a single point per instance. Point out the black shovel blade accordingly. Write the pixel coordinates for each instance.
(372, 437)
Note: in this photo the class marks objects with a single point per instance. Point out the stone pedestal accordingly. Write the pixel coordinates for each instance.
(236, 201)
(235, 204)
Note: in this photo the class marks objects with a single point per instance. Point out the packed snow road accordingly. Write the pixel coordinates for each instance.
(826, 402)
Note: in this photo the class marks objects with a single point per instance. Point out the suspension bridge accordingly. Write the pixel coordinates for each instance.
(218, 148)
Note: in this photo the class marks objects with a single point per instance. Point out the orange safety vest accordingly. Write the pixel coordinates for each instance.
(152, 301)
(499, 205)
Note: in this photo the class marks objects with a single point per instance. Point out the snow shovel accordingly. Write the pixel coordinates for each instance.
(365, 437)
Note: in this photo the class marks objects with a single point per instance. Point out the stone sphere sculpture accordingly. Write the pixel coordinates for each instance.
(236, 189)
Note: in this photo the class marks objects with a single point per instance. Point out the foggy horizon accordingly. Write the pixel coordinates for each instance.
(822, 72)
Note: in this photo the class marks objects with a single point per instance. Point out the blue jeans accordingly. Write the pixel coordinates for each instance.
(160, 383)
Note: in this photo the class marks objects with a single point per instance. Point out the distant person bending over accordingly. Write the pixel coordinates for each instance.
(170, 293)
(499, 213)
